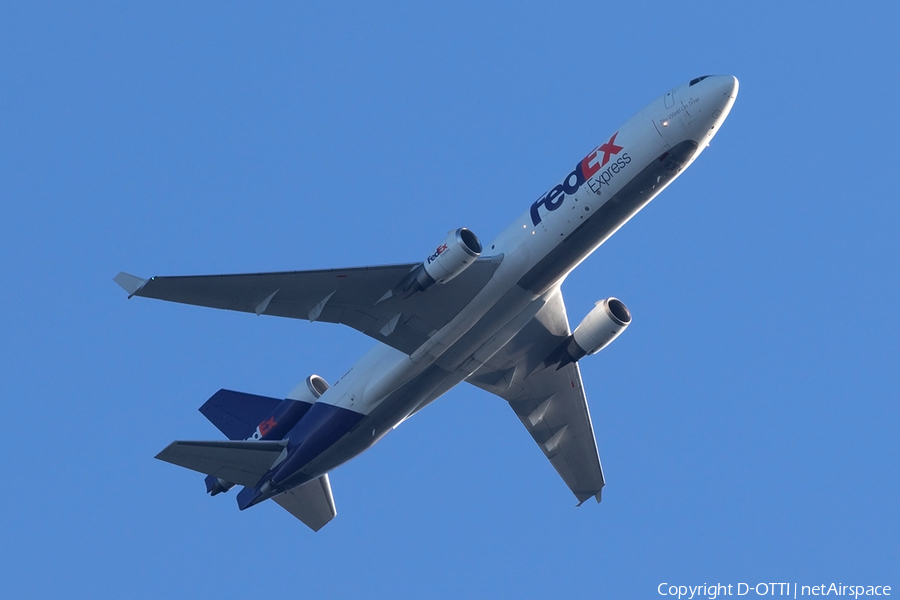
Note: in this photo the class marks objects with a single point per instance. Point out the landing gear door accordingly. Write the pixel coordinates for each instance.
(670, 98)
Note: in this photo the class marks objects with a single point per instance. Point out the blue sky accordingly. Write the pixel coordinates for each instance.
(747, 421)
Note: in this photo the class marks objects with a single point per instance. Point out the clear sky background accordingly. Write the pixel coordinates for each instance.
(747, 421)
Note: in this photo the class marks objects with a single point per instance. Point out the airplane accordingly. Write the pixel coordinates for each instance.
(491, 316)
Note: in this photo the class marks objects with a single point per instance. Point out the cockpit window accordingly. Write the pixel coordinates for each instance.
(698, 80)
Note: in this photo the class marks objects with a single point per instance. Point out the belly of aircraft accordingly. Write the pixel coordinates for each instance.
(373, 426)
(428, 385)
(454, 364)
(607, 219)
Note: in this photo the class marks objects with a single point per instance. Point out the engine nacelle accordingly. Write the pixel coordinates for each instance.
(457, 252)
(291, 410)
(601, 326)
(310, 390)
(216, 485)
(453, 256)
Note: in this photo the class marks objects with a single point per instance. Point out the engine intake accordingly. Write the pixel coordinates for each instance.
(310, 390)
(453, 256)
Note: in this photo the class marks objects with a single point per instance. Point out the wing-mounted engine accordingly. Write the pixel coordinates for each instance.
(453, 256)
(602, 325)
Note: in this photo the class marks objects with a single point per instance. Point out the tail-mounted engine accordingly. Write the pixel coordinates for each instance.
(291, 410)
(453, 256)
(309, 390)
(601, 326)
(278, 422)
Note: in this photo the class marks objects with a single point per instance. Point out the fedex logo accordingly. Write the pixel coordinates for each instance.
(584, 170)
(438, 251)
(263, 429)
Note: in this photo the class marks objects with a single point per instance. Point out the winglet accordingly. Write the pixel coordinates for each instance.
(129, 283)
(595, 496)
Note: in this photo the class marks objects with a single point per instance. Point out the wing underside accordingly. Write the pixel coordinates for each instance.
(362, 298)
(550, 402)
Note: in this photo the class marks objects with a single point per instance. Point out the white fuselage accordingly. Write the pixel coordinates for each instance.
(539, 249)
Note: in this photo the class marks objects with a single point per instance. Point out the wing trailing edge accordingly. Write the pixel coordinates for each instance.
(549, 401)
(361, 297)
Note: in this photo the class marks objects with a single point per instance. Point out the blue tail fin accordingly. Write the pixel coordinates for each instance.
(237, 414)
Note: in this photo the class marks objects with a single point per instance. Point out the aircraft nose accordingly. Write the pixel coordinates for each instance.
(727, 85)
(720, 93)
(712, 97)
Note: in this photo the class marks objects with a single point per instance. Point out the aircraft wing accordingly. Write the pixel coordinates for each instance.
(358, 297)
(549, 402)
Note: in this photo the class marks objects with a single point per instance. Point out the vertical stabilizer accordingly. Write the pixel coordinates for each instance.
(237, 414)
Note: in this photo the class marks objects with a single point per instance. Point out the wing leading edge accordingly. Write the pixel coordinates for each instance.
(358, 297)
(550, 402)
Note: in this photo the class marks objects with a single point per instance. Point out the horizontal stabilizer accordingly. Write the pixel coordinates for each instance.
(243, 463)
(311, 502)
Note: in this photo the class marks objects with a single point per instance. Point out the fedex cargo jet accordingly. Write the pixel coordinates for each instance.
(491, 315)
